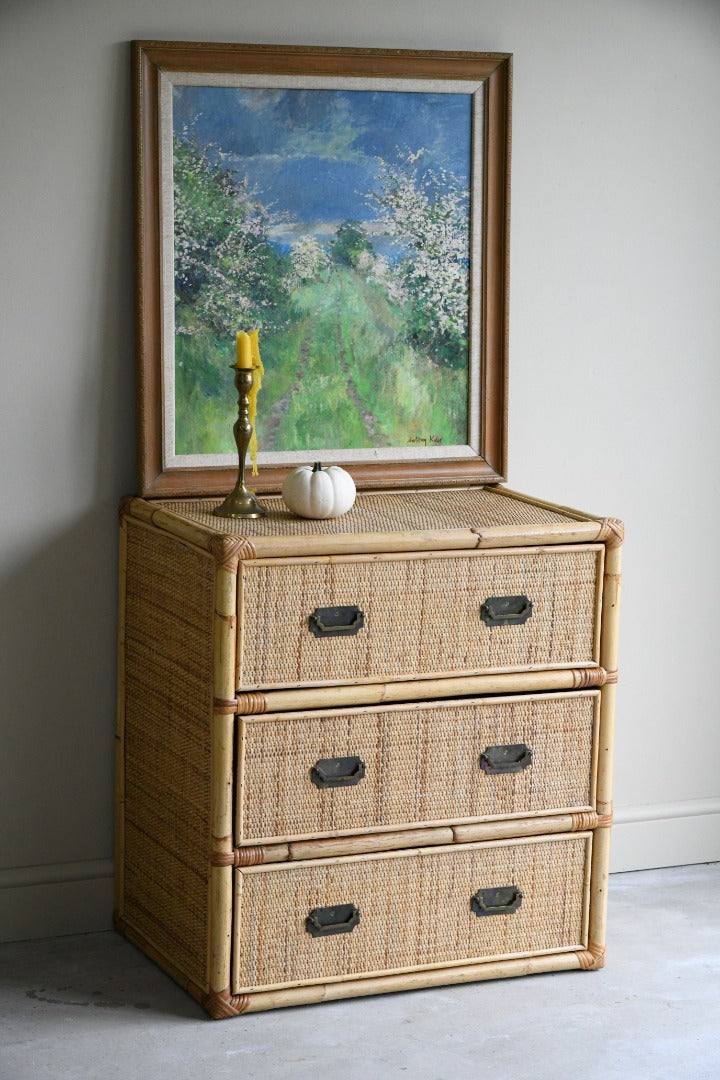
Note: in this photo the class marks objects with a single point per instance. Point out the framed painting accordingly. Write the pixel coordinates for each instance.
(351, 205)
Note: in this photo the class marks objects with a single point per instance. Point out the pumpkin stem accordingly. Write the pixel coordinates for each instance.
(317, 467)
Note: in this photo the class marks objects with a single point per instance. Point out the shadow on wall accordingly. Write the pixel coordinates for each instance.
(58, 650)
(58, 595)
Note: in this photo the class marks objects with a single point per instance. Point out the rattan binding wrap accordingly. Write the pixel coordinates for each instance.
(415, 910)
(167, 747)
(422, 764)
(593, 958)
(224, 1004)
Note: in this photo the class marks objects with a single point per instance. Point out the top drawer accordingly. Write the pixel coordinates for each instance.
(417, 616)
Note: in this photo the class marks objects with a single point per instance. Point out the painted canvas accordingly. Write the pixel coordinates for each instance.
(338, 221)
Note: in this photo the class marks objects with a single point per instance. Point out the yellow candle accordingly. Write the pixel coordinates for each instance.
(244, 352)
(257, 383)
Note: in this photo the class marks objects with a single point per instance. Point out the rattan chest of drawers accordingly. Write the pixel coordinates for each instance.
(367, 754)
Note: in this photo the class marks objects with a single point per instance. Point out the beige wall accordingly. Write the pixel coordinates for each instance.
(615, 350)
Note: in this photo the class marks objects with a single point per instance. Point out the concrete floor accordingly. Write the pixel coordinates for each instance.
(94, 1008)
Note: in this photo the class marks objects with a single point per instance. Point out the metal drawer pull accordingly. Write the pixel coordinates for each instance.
(502, 901)
(336, 621)
(340, 919)
(337, 772)
(512, 758)
(506, 610)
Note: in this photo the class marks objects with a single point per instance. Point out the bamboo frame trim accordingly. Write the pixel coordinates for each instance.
(409, 971)
(581, 529)
(429, 836)
(220, 886)
(511, 841)
(601, 846)
(494, 536)
(423, 703)
(368, 684)
(429, 554)
(511, 828)
(332, 847)
(169, 521)
(413, 980)
(252, 703)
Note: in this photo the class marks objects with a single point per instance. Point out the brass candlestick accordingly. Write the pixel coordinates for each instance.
(242, 502)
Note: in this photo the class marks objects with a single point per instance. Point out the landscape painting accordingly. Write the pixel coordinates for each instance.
(337, 221)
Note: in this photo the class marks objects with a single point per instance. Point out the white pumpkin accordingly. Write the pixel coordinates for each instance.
(316, 492)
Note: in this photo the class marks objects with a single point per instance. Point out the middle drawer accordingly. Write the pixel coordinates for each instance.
(332, 773)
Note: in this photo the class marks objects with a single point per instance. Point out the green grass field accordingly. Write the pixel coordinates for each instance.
(342, 377)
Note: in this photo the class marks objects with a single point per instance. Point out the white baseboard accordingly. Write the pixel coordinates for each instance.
(77, 898)
(666, 834)
(50, 901)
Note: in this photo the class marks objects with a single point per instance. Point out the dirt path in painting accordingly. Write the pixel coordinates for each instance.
(368, 418)
(280, 407)
(327, 397)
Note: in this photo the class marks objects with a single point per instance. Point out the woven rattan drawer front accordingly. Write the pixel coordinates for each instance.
(415, 910)
(421, 764)
(421, 615)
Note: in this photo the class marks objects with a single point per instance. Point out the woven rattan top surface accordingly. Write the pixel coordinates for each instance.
(407, 511)
(386, 521)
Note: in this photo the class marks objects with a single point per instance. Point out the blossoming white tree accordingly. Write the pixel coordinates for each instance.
(226, 271)
(308, 259)
(426, 212)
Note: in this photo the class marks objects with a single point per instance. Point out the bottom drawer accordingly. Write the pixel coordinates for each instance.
(333, 919)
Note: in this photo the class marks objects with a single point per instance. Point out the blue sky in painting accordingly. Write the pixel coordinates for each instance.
(314, 154)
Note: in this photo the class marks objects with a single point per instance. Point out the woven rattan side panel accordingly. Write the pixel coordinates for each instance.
(415, 910)
(168, 695)
(422, 616)
(422, 764)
